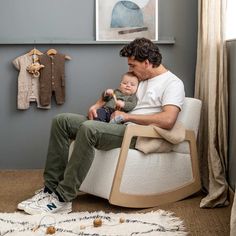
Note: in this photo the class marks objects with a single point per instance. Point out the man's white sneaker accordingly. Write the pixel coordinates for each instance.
(50, 204)
(39, 195)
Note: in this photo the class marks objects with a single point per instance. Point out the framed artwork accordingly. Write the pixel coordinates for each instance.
(119, 20)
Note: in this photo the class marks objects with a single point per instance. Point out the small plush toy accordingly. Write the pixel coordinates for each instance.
(34, 69)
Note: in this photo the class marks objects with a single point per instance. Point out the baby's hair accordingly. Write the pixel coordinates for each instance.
(130, 74)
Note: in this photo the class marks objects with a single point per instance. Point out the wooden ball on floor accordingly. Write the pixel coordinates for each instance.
(51, 230)
(97, 222)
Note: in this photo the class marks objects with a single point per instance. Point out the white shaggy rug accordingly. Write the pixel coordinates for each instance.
(82, 223)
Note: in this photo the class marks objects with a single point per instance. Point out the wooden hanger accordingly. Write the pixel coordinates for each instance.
(52, 51)
(68, 57)
(34, 51)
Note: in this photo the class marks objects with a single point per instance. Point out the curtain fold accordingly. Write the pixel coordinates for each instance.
(211, 88)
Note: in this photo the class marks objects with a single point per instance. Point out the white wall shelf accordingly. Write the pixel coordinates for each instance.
(75, 41)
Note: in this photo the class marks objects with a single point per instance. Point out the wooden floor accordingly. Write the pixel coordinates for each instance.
(16, 186)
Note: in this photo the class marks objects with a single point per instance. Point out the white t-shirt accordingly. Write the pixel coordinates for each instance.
(153, 94)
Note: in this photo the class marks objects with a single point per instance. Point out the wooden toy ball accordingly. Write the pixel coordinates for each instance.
(97, 222)
(51, 230)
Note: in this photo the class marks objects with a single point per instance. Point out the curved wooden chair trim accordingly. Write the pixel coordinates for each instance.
(144, 201)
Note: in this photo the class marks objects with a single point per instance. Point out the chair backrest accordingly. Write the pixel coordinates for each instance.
(190, 114)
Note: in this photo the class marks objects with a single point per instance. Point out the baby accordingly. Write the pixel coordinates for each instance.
(123, 99)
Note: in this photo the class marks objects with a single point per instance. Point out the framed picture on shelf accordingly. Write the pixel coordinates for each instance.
(119, 20)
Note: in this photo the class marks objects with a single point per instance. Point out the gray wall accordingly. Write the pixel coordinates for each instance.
(231, 48)
(24, 134)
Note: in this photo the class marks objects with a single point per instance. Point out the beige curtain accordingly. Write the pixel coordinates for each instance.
(211, 88)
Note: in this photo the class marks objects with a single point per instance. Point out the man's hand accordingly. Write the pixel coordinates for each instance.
(92, 112)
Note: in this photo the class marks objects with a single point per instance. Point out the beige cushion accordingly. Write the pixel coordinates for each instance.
(164, 144)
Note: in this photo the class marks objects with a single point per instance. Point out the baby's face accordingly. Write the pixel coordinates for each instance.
(128, 85)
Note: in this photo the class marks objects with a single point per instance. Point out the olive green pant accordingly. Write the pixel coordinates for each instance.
(63, 176)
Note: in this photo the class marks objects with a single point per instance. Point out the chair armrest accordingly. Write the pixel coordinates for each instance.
(141, 130)
(134, 130)
(147, 131)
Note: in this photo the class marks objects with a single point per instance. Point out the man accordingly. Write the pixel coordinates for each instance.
(160, 98)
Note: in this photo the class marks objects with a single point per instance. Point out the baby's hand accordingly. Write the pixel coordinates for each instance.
(109, 92)
(119, 104)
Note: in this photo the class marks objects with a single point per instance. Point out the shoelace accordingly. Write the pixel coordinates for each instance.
(39, 190)
(41, 198)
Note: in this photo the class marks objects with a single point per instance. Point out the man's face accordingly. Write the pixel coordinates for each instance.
(138, 68)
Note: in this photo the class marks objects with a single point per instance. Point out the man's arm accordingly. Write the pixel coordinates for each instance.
(92, 112)
(165, 119)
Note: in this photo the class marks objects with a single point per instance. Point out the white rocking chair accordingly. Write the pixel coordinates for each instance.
(130, 178)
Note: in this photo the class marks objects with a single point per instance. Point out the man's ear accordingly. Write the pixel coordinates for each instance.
(147, 63)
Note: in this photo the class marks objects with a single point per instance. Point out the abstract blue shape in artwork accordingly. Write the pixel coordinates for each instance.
(126, 14)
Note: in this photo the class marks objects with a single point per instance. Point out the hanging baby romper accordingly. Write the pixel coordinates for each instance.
(52, 78)
(28, 84)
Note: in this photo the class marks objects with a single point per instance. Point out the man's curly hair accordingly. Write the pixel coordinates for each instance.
(142, 49)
